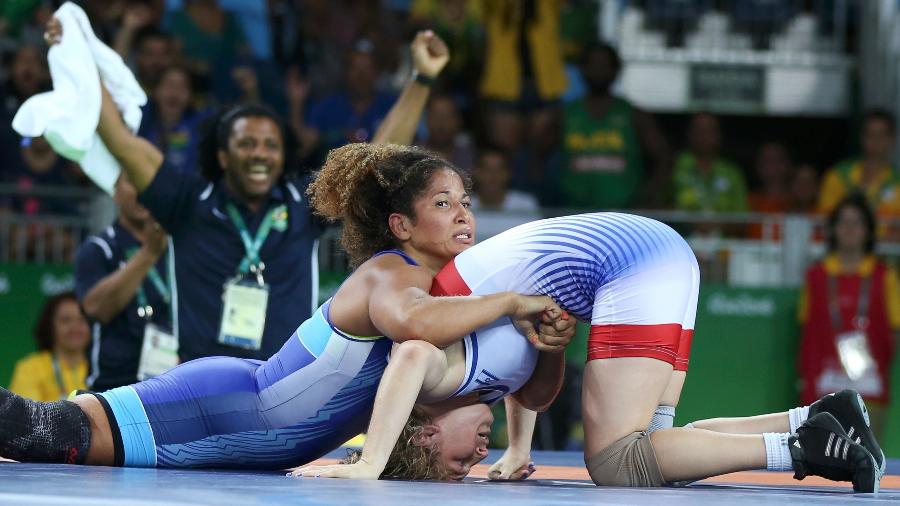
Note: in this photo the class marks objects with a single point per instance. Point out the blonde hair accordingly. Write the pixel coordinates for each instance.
(363, 184)
(409, 461)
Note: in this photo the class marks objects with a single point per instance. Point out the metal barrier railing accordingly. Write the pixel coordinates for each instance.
(45, 238)
(741, 249)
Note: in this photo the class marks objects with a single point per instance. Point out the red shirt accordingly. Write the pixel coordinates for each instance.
(818, 350)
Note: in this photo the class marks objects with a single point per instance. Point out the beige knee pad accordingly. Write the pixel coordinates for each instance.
(629, 462)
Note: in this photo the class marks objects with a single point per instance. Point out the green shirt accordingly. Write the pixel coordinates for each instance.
(202, 45)
(721, 190)
(602, 168)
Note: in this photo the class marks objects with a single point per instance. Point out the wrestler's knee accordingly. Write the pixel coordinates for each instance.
(628, 462)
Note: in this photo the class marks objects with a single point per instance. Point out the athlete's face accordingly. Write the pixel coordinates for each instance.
(444, 226)
(463, 438)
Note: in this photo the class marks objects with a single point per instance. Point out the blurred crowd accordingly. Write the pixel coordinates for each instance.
(527, 104)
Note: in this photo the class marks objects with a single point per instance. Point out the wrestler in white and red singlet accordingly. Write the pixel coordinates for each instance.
(633, 278)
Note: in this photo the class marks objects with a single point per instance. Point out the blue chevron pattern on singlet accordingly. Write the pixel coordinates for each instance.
(571, 257)
(338, 420)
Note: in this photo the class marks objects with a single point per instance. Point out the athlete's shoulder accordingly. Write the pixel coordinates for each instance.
(394, 268)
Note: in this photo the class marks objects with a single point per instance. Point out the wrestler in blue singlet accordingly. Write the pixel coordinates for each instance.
(306, 400)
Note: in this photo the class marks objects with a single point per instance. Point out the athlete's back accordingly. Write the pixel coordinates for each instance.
(568, 258)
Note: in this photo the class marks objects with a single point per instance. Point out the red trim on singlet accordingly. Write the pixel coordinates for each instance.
(684, 349)
(449, 282)
(667, 342)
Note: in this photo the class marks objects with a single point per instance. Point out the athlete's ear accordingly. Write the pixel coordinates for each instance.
(400, 226)
(426, 436)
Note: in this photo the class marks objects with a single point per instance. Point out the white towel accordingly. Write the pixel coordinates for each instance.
(67, 116)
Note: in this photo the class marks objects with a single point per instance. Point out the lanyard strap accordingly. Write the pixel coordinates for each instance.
(252, 247)
(862, 305)
(162, 288)
(57, 372)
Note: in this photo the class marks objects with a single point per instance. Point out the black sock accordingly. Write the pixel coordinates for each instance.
(31, 431)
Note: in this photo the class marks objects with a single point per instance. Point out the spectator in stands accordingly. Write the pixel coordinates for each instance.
(445, 135)
(522, 81)
(524, 62)
(106, 16)
(505, 130)
(703, 180)
(24, 21)
(28, 75)
(31, 168)
(804, 189)
(123, 284)
(59, 365)
(459, 22)
(35, 164)
(15, 17)
(615, 155)
(498, 207)
(254, 82)
(253, 18)
(310, 38)
(771, 193)
(171, 122)
(351, 114)
(872, 173)
(210, 39)
(850, 311)
(153, 49)
(773, 171)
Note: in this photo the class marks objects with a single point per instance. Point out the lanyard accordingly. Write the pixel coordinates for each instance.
(861, 320)
(251, 261)
(162, 288)
(59, 378)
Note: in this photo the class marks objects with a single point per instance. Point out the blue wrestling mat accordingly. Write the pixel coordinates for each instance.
(42, 484)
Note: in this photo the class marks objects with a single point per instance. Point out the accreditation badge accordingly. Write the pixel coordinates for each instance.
(244, 314)
(159, 352)
(855, 355)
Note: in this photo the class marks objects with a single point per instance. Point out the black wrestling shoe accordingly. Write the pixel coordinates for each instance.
(822, 448)
(850, 410)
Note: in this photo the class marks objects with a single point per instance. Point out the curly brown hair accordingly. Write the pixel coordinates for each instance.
(363, 184)
(409, 461)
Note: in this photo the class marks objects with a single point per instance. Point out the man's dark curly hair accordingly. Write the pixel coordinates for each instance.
(216, 130)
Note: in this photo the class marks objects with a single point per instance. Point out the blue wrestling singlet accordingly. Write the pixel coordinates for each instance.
(309, 398)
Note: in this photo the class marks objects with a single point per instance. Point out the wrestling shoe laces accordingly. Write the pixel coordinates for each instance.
(822, 448)
(850, 410)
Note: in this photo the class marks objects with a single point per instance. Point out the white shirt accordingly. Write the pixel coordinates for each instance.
(517, 208)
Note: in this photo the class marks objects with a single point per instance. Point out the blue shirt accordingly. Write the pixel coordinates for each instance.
(178, 143)
(208, 249)
(116, 350)
(339, 123)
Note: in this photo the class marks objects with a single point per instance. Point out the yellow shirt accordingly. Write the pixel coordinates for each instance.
(882, 193)
(35, 378)
(502, 74)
